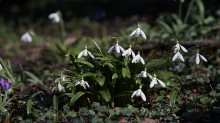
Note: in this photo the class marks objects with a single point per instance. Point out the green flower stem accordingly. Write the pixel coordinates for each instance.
(135, 44)
(62, 27)
(188, 11)
(0, 97)
(5, 97)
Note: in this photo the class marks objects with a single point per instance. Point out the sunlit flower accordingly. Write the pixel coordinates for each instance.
(138, 58)
(117, 48)
(128, 52)
(54, 17)
(137, 32)
(85, 53)
(5, 84)
(177, 47)
(144, 74)
(0, 67)
(26, 37)
(59, 87)
(155, 80)
(82, 83)
(139, 93)
(196, 58)
(179, 56)
(62, 78)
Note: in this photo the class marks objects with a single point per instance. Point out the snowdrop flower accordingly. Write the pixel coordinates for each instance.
(177, 47)
(139, 93)
(196, 58)
(155, 80)
(138, 31)
(82, 83)
(85, 53)
(128, 52)
(117, 48)
(26, 37)
(138, 58)
(0, 67)
(178, 55)
(144, 74)
(61, 78)
(54, 17)
(59, 87)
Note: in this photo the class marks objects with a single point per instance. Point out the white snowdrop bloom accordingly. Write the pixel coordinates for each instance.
(26, 37)
(54, 17)
(82, 83)
(128, 52)
(197, 58)
(85, 53)
(139, 93)
(138, 58)
(155, 80)
(179, 56)
(144, 74)
(59, 87)
(61, 78)
(177, 47)
(0, 67)
(137, 32)
(117, 48)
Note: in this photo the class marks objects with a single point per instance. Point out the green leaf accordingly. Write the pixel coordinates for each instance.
(201, 9)
(155, 63)
(166, 26)
(33, 78)
(2, 108)
(29, 106)
(115, 76)
(167, 74)
(75, 97)
(124, 93)
(173, 96)
(100, 80)
(85, 63)
(126, 72)
(159, 98)
(105, 94)
(205, 100)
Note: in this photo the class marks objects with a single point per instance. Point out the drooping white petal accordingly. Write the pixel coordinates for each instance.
(143, 96)
(110, 50)
(133, 32)
(153, 82)
(117, 48)
(87, 84)
(175, 56)
(143, 34)
(138, 32)
(149, 75)
(54, 17)
(183, 48)
(197, 59)
(121, 48)
(80, 54)
(125, 53)
(133, 55)
(192, 58)
(142, 60)
(134, 60)
(203, 58)
(181, 57)
(26, 37)
(161, 83)
(90, 54)
(134, 93)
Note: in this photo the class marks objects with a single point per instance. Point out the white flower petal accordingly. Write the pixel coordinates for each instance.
(80, 54)
(142, 60)
(143, 96)
(117, 48)
(153, 82)
(203, 58)
(175, 56)
(149, 75)
(134, 60)
(54, 17)
(161, 83)
(110, 50)
(121, 48)
(133, 32)
(197, 59)
(183, 48)
(181, 57)
(90, 54)
(134, 93)
(26, 37)
(143, 34)
(133, 55)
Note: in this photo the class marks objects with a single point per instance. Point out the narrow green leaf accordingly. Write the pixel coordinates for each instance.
(2, 108)
(75, 97)
(201, 9)
(166, 26)
(124, 93)
(29, 106)
(167, 74)
(124, 72)
(138, 119)
(85, 63)
(33, 77)
(173, 96)
(155, 63)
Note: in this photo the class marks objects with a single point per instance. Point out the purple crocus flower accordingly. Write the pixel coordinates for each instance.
(5, 84)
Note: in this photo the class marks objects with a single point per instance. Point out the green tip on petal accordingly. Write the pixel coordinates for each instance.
(85, 47)
(138, 25)
(177, 41)
(155, 75)
(145, 69)
(130, 46)
(140, 87)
